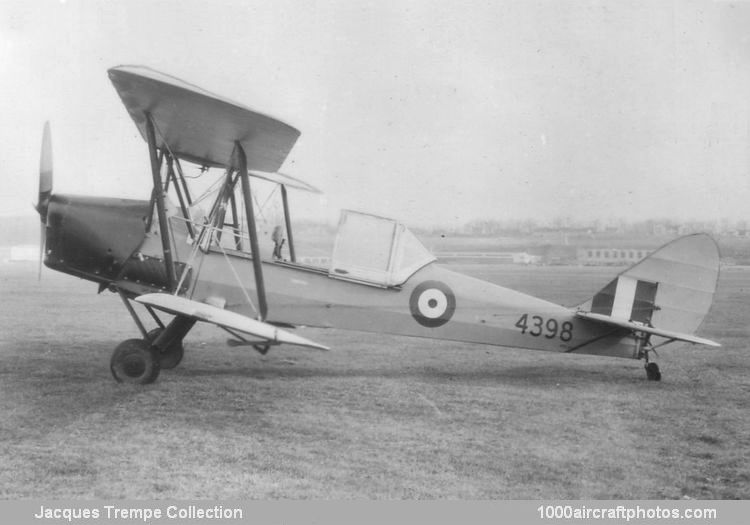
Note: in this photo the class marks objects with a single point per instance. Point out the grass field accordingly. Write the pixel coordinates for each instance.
(377, 417)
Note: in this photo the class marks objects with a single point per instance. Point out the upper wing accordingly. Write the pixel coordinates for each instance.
(205, 312)
(286, 180)
(199, 126)
(622, 323)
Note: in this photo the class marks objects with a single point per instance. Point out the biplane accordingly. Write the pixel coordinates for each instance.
(183, 263)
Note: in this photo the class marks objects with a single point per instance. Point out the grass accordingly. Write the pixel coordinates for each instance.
(378, 417)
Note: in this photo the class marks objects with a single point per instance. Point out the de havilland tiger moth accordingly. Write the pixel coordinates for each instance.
(173, 258)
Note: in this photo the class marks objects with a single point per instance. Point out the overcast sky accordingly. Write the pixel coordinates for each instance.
(432, 112)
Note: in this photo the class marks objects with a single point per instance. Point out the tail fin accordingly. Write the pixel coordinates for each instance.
(671, 289)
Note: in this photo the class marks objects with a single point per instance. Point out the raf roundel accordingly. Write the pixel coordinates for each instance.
(432, 304)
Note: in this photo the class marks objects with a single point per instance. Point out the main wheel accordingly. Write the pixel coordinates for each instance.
(652, 372)
(135, 361)
(172, 355)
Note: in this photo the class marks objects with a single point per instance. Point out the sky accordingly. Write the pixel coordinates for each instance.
(436, 113)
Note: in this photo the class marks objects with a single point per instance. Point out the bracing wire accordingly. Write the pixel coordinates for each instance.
(239, 281)
(210, 230)
(273, 192)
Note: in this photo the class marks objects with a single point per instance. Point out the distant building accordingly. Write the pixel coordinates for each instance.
(558, 255)
(611, 256)
(526, 258)
(489, 257)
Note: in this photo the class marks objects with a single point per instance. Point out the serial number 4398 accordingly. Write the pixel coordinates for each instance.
(536, 326)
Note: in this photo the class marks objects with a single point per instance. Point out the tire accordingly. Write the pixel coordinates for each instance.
(652, 372)
(135, 361)
(172, 355)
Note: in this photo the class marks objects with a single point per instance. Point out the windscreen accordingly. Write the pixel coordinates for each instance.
(376, 250)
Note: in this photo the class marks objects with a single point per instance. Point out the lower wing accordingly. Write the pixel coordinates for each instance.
(175, 305)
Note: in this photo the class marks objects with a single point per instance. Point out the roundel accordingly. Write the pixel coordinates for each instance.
(432, 303)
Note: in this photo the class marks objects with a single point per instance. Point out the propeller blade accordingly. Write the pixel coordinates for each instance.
(45, 191)
(45, 173)
(42, 243)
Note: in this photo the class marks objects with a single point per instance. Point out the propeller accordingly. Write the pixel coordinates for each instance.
(45, 189)
(45, 174)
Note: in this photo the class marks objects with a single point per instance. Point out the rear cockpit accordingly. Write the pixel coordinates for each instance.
(376, 250)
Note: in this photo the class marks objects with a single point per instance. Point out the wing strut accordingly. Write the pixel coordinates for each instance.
(182, 180)
(166, 245)
(235, 222)
(288, 221)
(172, 176)
(241, 163)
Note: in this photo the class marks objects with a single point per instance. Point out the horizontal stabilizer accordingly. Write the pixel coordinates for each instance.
(211, 314)
(638, 327)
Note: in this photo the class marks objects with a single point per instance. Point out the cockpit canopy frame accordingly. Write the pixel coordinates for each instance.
(376, 250)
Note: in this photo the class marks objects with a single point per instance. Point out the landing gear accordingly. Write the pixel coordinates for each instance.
(652, 372)
(140, 360)
(135, 361)
(643, 342)
(172, 354)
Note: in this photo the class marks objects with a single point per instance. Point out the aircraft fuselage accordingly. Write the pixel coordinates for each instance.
(105, 240)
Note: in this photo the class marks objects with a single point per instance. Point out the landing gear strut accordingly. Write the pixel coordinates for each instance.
(172, 354)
